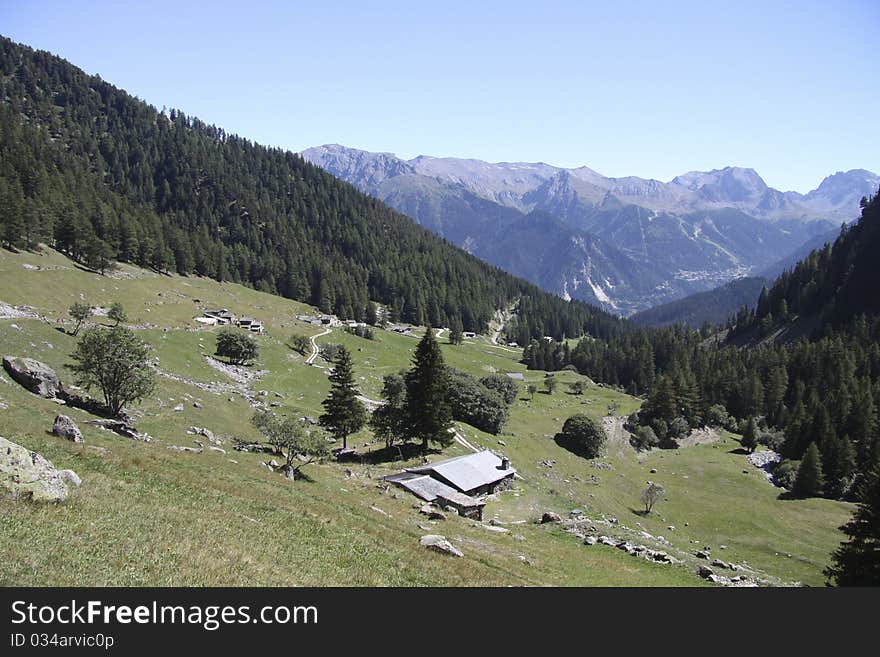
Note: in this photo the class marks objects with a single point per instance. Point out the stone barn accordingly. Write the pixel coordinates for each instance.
(458, 482)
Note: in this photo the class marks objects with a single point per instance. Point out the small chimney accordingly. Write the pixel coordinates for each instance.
(505, 463)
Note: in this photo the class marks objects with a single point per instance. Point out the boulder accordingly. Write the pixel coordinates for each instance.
(550, 516)
(27, 475)
(66, 428)
(432, 513)
(439, 544)
(70, 477)
(219, 450)
(590, 540)
(37, 377)
(702, 555)
(705, 572)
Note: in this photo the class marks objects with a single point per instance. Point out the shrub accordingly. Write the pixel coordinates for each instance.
(299, 343)
(475, 404)
(644, 439)
(785, 473)
(717, 416)
(236, 345)
(582, 435)
(329, 351)
(503, 385)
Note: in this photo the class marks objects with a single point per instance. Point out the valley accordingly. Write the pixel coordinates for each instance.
(149, 515)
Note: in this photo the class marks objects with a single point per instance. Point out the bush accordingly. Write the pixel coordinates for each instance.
(717, 416)
(236, 345)
(679, 428)
(785, 473)
(475, 404)
(661, 428)
(329, 351)
(299, 343)
(503, 385)
(644, 439)
(582, 435)
(569, 368)
(772, 440)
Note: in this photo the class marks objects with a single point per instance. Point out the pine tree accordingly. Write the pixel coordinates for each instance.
(429, 417)
(750, 436)
(344, 413)
(857, 561)
(810, 481)
(456, 331)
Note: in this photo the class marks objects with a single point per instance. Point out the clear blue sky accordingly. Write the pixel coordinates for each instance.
(652, 89)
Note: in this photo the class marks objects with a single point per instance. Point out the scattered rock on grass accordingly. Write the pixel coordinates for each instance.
(439, 544)
(64, 427)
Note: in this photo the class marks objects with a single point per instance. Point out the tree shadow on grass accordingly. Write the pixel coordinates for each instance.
(403, 452)
(739, 450)
(640, 512)
(787, 495)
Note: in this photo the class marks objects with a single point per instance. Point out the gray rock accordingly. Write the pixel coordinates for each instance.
(432, 513)
(27, 475)
(122, 428)
(179, 448)
(37, 377)
(705, 572)
(178, 408)
(219, 450)
(702, 555)
(550, 516)
(66, 428)
(590, 540)
(719, 564)
(70, 477)
(439, 544)
(196, 405)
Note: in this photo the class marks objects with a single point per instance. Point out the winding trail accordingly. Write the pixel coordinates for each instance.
(314, 354)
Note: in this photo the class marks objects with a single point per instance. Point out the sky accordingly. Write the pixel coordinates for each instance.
(652, 89)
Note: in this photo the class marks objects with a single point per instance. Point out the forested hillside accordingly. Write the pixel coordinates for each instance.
(103, 176)
(715, 306)
(805, 364)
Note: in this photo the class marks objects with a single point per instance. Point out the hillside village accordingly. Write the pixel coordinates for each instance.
(515, 507)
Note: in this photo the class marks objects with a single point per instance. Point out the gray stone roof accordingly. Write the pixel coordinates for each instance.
(467, 472)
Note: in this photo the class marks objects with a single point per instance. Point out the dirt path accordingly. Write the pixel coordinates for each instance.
(461, 440)
(314, 354)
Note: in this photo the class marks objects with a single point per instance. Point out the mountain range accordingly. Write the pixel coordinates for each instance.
(626, 244)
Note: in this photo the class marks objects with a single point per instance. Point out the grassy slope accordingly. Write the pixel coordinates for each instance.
(147, 515)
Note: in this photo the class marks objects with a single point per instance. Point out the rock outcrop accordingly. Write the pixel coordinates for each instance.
(27, 475)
